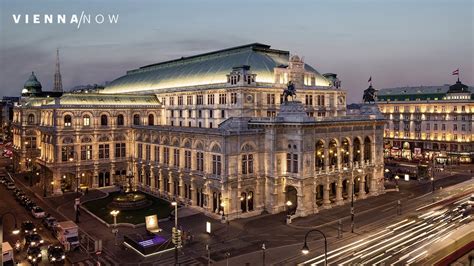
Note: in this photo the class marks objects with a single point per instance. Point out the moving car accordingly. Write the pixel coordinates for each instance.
(50, 222)
(56, 254)
(38, 212)
(33, 240)
(33, 254)
(28, 227)
(30, 205)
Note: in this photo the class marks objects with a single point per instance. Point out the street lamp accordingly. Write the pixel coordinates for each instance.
(432, 185)
(15, 230)
(396, 182)
(288, 214)
(175, 204)
(352, 208)
(263, 253)
(305, 249)
(114, 213)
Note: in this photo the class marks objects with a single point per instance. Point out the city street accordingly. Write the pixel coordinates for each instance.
(242, 239)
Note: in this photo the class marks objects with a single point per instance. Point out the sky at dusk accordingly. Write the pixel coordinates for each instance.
(397, 42)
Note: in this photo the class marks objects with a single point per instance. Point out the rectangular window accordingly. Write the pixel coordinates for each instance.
(199, 161)
(171, 100)
(233, 98)
(427, 126)
(210, 99)
(199, 100)
(120, 150)
(157, 153)
(148, 152)
(140, 151)
(443, 126)
(189, 100)
(166, 155)
(216, 164)
(86, 152)
(180, 100)
(308, 99)
(435, 126)
(247, 164)
(104, 151)
(176, 157)
(187, 160)
(270, 99)
(67, 153)
(222, 98)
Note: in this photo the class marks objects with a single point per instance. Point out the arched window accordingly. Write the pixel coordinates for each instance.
(136, 119)
(86, 121)
(151, 120)
(67, 121)
(31, 119)
(103, 120)
(120, 120)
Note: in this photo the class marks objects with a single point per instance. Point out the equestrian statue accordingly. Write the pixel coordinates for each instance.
(289, 91)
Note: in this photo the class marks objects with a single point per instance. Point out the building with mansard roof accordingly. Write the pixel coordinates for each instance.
(429, 122)
(211, 131)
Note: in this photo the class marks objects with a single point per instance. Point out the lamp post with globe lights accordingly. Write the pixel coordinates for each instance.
(305, 249)
(114, 213)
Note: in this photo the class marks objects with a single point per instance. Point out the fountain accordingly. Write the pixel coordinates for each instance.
(130, 200)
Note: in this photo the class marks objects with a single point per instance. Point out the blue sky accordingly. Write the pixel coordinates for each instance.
(397, 42)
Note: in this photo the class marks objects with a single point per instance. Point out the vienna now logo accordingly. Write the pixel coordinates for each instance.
(77, 19)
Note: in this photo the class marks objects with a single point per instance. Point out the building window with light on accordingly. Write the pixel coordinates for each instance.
(67, 121)
(86, 152)
(67, 153)
(86, 121)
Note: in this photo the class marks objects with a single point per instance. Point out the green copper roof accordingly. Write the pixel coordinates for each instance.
(32, 85)
(105, 99)
(206, 69)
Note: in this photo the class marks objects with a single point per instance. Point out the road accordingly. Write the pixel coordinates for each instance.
(406, 241)
(8, 203)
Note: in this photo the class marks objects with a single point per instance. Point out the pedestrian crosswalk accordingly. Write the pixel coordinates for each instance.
(103, 260)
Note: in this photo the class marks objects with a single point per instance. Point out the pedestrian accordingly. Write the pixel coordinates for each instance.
(87, 190)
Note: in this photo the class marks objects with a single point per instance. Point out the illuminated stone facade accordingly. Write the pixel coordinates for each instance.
(429, 122)
(230, 148)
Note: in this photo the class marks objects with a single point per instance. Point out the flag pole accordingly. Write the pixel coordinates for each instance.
(458, 74)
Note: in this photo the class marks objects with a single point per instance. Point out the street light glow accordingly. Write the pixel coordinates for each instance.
(114, 212)
(174, 203)
(289, 203)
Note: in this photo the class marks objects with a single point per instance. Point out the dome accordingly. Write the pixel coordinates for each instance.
(32, 85)
(206, 69)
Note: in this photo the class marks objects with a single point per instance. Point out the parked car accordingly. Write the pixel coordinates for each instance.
(11, 186)
(50, 222)
(56, 254)
(30, 205)
(38, 212)
(33, 254)
(32, 240)
(28, 227)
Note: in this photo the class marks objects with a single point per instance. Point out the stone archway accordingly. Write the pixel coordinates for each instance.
(291, 201)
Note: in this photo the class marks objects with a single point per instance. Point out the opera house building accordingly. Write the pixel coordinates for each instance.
(212, 131)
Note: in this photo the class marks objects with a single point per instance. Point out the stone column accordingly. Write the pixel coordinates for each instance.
(152, 178)
(339, 199)
(181, 186)
(315, 193)
(112, 174)
(95, 176)
(326, 200)
(193, 192)
(171, 184)
(362, 193)
(326, 159)
(351, 156)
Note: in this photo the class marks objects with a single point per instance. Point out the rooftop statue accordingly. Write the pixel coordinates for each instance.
(369, 95)
(289, 91)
